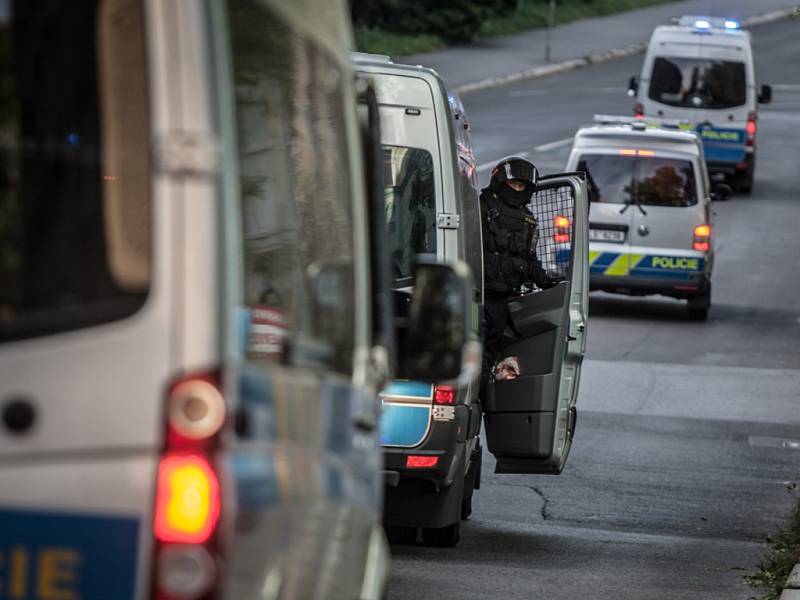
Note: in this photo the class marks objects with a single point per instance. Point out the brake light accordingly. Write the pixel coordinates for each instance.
(561, 225)
(444, 394)
(702, 238)
(634, 152)
(415, 461)
(638, 110)
(187, 500)
(751, 128)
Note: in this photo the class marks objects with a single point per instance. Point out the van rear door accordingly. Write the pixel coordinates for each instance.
(530, 420)
(84, 336)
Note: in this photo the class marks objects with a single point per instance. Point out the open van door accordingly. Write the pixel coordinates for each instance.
(530, 420)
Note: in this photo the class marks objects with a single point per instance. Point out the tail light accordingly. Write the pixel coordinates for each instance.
(638, 110)
(561, 229)
(415, 461)
(444, 394)
(188, 499)
(751, 128)
(702, 238)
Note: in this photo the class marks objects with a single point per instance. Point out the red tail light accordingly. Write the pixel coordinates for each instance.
(444, 394)
(638, 110)
(414, 461)
(189, 500)
(561, 229)
(702, 238)
(751, 128)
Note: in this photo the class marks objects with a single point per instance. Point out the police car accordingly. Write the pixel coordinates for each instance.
(650, 227)
(700, 69)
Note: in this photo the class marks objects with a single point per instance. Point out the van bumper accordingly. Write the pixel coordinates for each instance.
(429, 496)
(693, 283)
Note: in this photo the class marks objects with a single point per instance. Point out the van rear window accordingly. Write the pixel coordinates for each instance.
(74, 197)
(410, 206)
(698, 82)
(645, 180)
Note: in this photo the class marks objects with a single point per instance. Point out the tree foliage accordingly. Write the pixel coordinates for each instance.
(453, 21)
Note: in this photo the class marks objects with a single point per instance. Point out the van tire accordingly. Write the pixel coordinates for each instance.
(700, 304)
(443, 537)
(404, 536)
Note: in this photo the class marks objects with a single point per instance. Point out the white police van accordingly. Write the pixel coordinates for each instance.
(432, 449)
(188, 356)
(650, 226)
(700, 69)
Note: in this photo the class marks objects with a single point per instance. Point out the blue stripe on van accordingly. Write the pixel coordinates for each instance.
(403, 424)
(411, 389)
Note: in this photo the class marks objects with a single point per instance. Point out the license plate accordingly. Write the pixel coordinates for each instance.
(46, 555)
(606, 235)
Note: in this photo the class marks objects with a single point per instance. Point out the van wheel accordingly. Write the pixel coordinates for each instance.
(700, 304)
(404, 536)
(443, 537)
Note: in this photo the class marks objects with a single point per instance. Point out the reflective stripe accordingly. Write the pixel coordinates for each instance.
(616, 264)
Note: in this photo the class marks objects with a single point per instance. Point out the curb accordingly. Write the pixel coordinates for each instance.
(791, 589)
(601, 57)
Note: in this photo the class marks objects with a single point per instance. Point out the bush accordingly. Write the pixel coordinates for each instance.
(453, 21)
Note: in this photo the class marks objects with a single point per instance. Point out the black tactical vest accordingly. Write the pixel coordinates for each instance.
(509, 243)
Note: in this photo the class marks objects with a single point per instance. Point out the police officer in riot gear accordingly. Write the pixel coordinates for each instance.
(510, 234)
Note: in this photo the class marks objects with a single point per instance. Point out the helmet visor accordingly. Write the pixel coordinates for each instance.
(519, 169)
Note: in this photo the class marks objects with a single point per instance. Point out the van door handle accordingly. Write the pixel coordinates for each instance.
(365, 422)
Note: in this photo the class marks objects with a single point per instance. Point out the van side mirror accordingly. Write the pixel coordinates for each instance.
(765, 95)
(633, 87)
(721, 191)
(434, 326)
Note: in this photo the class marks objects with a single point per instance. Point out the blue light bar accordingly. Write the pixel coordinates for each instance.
(731, 24)
(702, 24)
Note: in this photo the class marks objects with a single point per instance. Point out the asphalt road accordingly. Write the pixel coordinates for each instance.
(678, 470)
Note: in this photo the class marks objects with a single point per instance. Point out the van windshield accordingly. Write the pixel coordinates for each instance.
(646, 180)
(74, 166)
(698, 82)
(409, 206)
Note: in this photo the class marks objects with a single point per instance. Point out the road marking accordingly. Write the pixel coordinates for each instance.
(553, 145)
(785, 87)
(489, 165)
(543, 148)
(773, 442)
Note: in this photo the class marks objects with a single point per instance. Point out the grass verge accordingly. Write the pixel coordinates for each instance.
(783, 552)
(532, 16)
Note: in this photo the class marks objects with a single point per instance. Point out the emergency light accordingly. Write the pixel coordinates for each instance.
(702, 24)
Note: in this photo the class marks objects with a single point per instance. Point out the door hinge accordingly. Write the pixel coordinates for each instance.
(187, 153)
(448, 221)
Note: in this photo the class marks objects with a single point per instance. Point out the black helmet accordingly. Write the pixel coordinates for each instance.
(515, 167)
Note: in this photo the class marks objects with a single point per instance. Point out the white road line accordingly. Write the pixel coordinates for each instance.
(543, 148)
(785, 87)
(553, 145)
(489, 165)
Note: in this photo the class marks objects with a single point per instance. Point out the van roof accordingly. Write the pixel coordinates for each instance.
(620, 135)
(384, 63)
(689, 34)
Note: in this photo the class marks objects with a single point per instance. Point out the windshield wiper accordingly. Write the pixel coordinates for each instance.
(633, 203)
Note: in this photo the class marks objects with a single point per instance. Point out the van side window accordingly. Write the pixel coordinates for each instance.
(75, 205)
(295, 196)
(410, 206)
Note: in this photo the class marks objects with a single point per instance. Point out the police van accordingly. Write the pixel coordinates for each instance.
(700, 69)
(192, 335)
(430, 433)
(650, 227)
